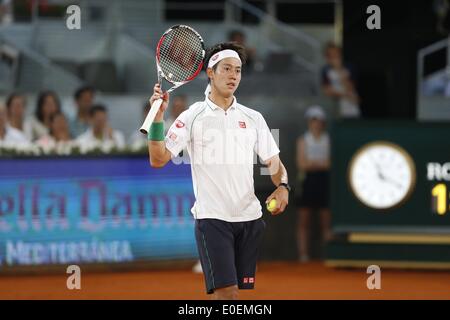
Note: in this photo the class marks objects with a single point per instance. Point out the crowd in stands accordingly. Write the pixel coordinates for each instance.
(49, 128)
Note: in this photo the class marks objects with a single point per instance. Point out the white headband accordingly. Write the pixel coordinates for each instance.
(216, 58)
(227, 53)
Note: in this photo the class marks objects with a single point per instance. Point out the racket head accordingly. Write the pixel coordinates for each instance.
(179, 55)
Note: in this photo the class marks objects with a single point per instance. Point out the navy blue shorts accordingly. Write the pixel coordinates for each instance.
(228, 252)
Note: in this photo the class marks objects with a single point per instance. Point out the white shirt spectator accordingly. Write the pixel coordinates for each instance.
(14, 136)
(88, 141)
(34, 129)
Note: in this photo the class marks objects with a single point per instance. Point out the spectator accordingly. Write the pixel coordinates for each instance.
(238, 37)
(6, 12)
(15, 106)
(338, 82)
(47, 105)
(84, 99)
(9, 134)
(179, 104)
(313, 159)
(137, 139)
(58, 133)
(100, 134)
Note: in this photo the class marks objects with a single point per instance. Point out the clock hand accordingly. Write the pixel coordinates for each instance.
(397, 184)
(384, 177)
(378, 168)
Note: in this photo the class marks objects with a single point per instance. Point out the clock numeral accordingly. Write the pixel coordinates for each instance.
(439, 194)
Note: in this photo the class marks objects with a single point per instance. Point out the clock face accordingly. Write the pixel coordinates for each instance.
(382, 175)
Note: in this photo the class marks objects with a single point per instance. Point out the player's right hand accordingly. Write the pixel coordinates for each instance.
(158, 93)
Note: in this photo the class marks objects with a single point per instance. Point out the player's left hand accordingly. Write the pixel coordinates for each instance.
(281, 195)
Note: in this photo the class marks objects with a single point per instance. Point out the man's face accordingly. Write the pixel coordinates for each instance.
(17, 108)
(238, 38)
(226, 77)
(316, 125)
(334, 57)
(59, 124)
(99, 121)
(85, 100)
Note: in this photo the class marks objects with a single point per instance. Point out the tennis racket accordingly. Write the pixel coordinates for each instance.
(179, 59)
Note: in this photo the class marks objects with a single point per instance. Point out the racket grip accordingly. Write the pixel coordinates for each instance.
(151, 116)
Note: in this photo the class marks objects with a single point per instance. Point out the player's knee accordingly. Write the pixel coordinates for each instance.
(227, 293)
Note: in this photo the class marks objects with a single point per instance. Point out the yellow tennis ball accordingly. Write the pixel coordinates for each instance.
(272, 205)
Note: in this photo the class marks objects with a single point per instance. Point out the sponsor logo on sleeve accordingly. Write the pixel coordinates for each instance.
(179, 124)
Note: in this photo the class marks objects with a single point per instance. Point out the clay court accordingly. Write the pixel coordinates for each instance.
(286, 281)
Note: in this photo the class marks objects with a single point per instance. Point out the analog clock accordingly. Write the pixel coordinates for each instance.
(382, 175)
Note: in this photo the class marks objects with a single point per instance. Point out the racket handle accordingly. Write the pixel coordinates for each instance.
(151, 116)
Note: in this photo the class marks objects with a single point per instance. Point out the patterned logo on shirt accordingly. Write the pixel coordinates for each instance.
(179, 124)
(242, 124)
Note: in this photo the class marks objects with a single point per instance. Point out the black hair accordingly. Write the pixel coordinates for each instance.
(10, 99)
(180, 96)
(79, 92)
(223, 46)
(39, 113)
(97, 108)
(330, 45)
(234, 33)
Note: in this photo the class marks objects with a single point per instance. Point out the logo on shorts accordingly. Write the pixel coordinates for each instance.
(179, 124)
(242, 125)
(249, 280)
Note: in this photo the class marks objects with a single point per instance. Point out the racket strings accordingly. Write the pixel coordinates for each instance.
(180, 54)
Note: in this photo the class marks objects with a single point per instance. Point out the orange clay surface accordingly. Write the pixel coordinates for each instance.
(274, 280)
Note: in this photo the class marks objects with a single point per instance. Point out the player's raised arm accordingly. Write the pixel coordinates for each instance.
(158, 153)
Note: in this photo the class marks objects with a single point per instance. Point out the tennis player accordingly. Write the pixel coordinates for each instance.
(221, 137)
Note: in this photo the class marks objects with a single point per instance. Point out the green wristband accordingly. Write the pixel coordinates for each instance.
(156, 131)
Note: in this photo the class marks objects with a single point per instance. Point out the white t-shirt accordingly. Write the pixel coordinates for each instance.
(221, 147)
(88, 141)
(14, 136)
(317, 149)
(347, 108)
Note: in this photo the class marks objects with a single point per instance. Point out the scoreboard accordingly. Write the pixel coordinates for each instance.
(390, 189)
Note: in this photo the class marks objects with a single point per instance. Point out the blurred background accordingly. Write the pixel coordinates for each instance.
(75, 184)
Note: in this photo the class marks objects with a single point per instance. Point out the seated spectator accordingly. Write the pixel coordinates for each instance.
(84, 99)
(313, 161)
(178, 105)
(338, 82)
(6, 12)
(100, 134)
(8, 134)
(16, 106)
(58, 133)
(239, 37)
(47, 105)
(138, 140)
